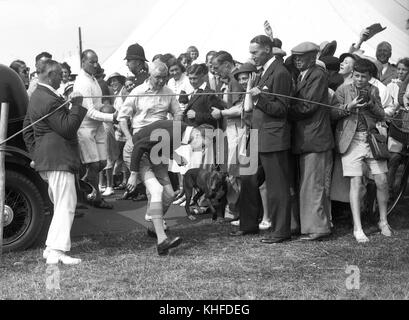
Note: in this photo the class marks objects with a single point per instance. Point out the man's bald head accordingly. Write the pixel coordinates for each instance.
(89, 61)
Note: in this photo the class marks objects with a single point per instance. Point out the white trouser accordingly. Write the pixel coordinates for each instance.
(62, 192)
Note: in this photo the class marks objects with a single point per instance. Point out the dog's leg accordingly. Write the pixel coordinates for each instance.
(197, 196)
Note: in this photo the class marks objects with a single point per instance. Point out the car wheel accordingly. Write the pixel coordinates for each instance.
(23, 214)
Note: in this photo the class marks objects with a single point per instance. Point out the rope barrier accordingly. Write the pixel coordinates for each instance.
(176, 95)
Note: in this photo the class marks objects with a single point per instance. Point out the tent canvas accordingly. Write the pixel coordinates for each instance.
(172, 26)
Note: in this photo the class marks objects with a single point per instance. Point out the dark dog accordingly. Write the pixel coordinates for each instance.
(212, 184)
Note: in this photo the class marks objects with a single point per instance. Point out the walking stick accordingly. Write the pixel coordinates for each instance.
(4, 114)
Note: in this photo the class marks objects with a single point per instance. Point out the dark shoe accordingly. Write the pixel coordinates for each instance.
(122, 186)
(125, 196)
(167, 244)
(102, 204)
(314, 236)
(296, 232)
(273, 240)
(79, 214)
(81, 206)
(140, 197)
(240, 233)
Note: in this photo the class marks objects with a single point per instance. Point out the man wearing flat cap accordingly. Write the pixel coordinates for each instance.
(312, 141)
(136, 63)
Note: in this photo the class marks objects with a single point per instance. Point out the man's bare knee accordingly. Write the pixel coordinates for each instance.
(381, 181)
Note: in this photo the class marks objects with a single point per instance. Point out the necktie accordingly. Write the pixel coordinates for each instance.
(259, 75)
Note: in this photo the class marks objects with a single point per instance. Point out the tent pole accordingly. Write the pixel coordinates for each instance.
(4, 114)
(80, 42)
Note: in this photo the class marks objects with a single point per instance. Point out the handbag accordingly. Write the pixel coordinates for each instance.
(379, 146)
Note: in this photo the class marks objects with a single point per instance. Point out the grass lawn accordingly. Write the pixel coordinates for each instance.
(211, 265)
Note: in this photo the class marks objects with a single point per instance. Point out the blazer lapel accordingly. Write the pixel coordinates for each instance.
(193, 99)
(303, 82)
(267, 74)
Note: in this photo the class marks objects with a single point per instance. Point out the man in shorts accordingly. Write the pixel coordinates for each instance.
(91, 134)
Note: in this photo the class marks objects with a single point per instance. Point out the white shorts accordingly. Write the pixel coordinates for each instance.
(92, 142)
(358, 154)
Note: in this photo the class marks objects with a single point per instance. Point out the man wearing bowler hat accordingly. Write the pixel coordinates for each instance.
(312, 142)
(135, 61)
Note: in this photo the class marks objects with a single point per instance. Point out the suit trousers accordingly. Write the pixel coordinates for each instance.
(62, 192)
(315, 181)
(274, 170)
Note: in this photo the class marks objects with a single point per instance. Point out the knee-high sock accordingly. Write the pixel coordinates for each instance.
(155, 211)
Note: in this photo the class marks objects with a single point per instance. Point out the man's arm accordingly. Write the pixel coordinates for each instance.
(28, 135)
(126, 112)
(66, 122)
(174, 109)
(318, 86)
(92, 112)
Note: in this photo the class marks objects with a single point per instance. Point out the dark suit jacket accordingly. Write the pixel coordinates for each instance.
(202, 105)
(347, 126)
(55, 142)
(390, 73)
(270, 112)
(312, 125)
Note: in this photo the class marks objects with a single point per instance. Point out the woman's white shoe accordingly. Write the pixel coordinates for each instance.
(235, 223)
(108, 192)
(264, 225)
(360, 236)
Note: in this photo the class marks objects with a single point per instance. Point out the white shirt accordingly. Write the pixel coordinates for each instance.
(87, 85)
(62, 87)
(183, 84)
(148, 109)
(393, 89)
(268, 64)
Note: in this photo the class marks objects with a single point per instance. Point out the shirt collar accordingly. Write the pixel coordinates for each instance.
(147, 87)
(50, 88)
(88, 75)
(268, 64)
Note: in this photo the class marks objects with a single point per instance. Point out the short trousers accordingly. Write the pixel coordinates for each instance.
(359, 154)
(92, 142)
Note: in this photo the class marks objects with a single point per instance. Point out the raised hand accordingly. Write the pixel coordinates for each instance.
(268, 30)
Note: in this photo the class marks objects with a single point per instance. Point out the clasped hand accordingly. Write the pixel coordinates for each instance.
(356, 104)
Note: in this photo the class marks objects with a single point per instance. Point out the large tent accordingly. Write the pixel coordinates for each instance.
(172, 26)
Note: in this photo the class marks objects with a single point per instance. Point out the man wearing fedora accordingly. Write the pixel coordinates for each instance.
(312, 141)
(136, 63)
